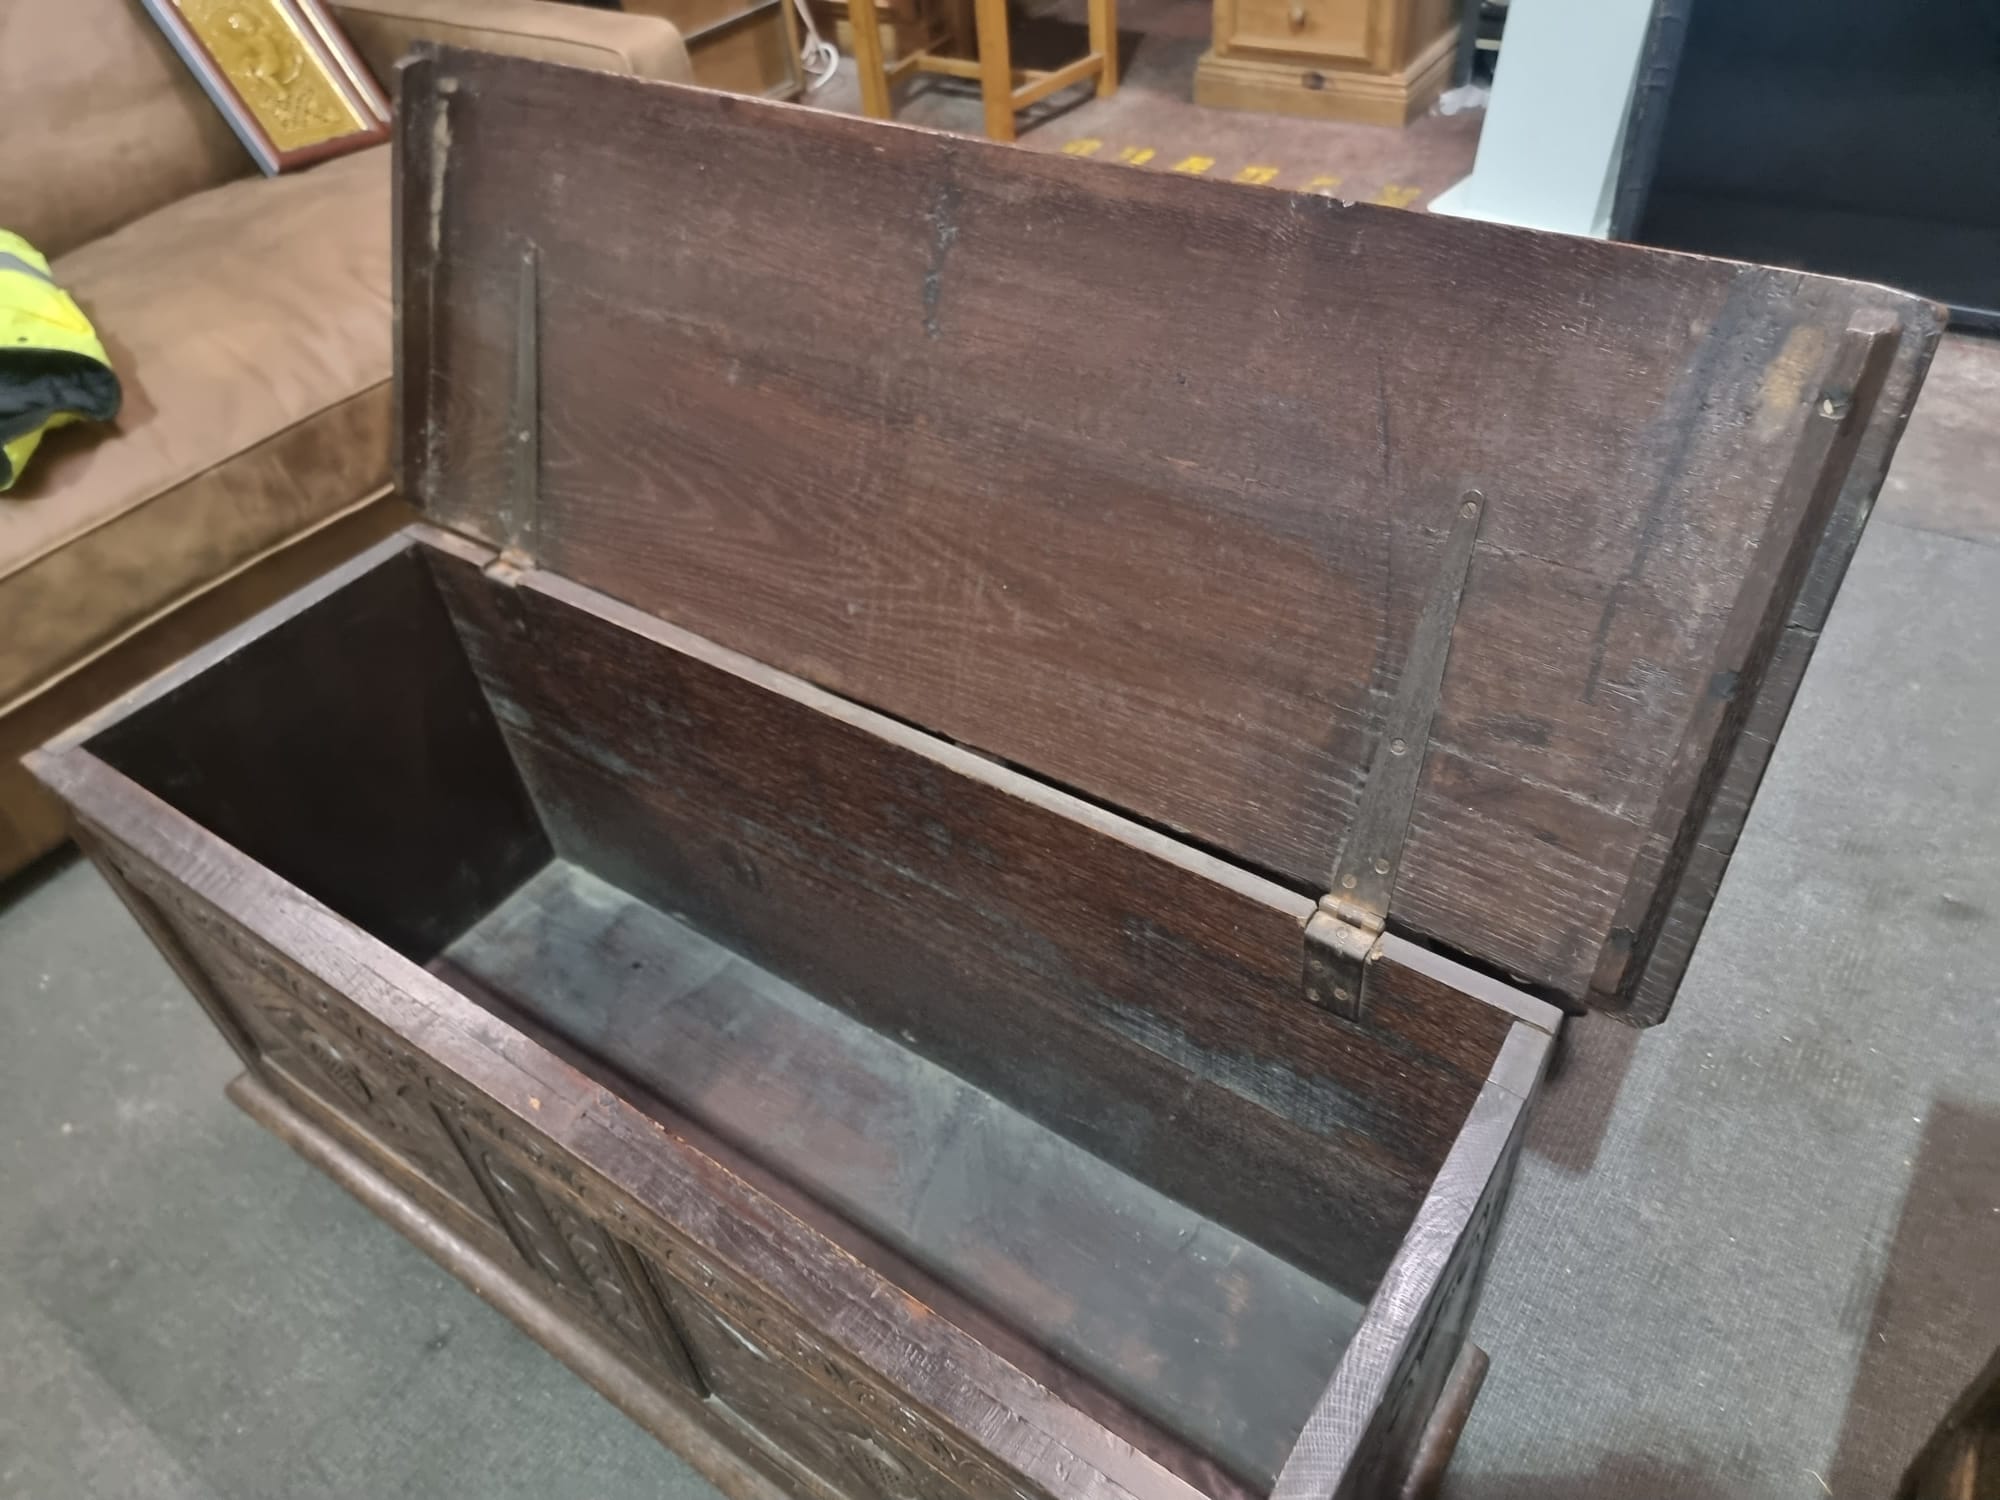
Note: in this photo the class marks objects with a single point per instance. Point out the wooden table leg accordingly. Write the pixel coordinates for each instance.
(862, 17)
(1104, 42)
(996, 68)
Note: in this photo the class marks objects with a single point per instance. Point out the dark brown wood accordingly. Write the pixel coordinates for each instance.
(817, 925)
(654, 1407)
(1091, 973)
(1003, 1339)
(1446, 1425)
(1176, 568)
(1367, 1435)
(1195, 1327)
(284, 1039)
(493, 1133)
(417, 197)
(1962, 1459)
(1701, 876)
(1849, 387)
(173, 948)
(348, 749)
(603, 1279)
(31, 822)
(880, 1358)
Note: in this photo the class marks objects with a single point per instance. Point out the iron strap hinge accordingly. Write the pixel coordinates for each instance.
(523, 443)
(1344, 936)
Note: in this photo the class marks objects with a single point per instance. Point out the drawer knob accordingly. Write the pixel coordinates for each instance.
(1297, 16)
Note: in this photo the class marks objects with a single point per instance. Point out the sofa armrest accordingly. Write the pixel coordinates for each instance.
(607, 40)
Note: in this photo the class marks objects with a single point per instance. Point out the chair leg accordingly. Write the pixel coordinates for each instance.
(996, 68)
(1104, 42)
(868, 67)
(1468, 43)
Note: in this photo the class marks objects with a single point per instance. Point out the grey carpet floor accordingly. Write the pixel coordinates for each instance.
(1757, 1252)
(1752, 1254)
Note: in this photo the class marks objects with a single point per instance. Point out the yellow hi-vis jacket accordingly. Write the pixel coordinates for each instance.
(53, 371)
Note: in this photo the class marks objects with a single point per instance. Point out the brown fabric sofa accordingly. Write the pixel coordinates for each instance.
(248, 319)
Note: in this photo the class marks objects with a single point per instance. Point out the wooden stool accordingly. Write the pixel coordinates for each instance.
(1004, 89)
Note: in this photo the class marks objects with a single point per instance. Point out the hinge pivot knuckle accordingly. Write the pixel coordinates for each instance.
(508, 567)
(1338, 955)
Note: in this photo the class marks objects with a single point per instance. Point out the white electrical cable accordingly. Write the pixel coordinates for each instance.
(818, 56)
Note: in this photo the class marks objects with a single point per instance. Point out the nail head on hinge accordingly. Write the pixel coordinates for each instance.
(1367, 864)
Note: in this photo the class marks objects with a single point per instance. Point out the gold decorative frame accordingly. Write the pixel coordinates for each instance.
(282, 73)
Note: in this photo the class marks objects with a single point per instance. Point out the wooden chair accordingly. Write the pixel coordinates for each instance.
(1004, 89)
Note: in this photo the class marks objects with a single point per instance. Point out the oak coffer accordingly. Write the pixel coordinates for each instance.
(952, 860)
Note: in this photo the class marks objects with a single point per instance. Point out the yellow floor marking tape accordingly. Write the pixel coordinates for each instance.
(1322, 184)
(1395, 195)
(1138, 156)
(1194, 166)
(1257, 174)
(1087, 146)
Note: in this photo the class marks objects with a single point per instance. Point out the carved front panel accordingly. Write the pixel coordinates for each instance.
(597, 1274)
(627, 1273)
(832, 1440)
(805, 1395)
(346, 1069)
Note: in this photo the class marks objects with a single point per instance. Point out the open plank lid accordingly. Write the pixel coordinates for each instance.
(1148, 484)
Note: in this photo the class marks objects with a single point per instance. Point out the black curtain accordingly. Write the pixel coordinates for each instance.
(1859, 137)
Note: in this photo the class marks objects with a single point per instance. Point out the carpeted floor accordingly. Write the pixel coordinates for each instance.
(1756, 1253)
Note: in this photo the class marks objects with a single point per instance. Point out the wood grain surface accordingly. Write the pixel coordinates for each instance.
(1217, 1340)
(347, 748)
(1132, 479)
(1962, 1459)
(1093, 982)
(851, 1341)
(1648, 1001)
(666, 1414)
(1136, 996)
(1368, 1430)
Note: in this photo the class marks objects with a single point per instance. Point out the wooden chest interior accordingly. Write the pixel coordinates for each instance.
(1009, 1048)
(952, 884)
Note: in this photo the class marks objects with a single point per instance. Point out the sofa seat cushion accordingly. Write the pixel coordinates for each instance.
(250, 326)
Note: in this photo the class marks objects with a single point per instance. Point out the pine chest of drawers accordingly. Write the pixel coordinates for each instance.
(954, 882)
(1381, 62)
